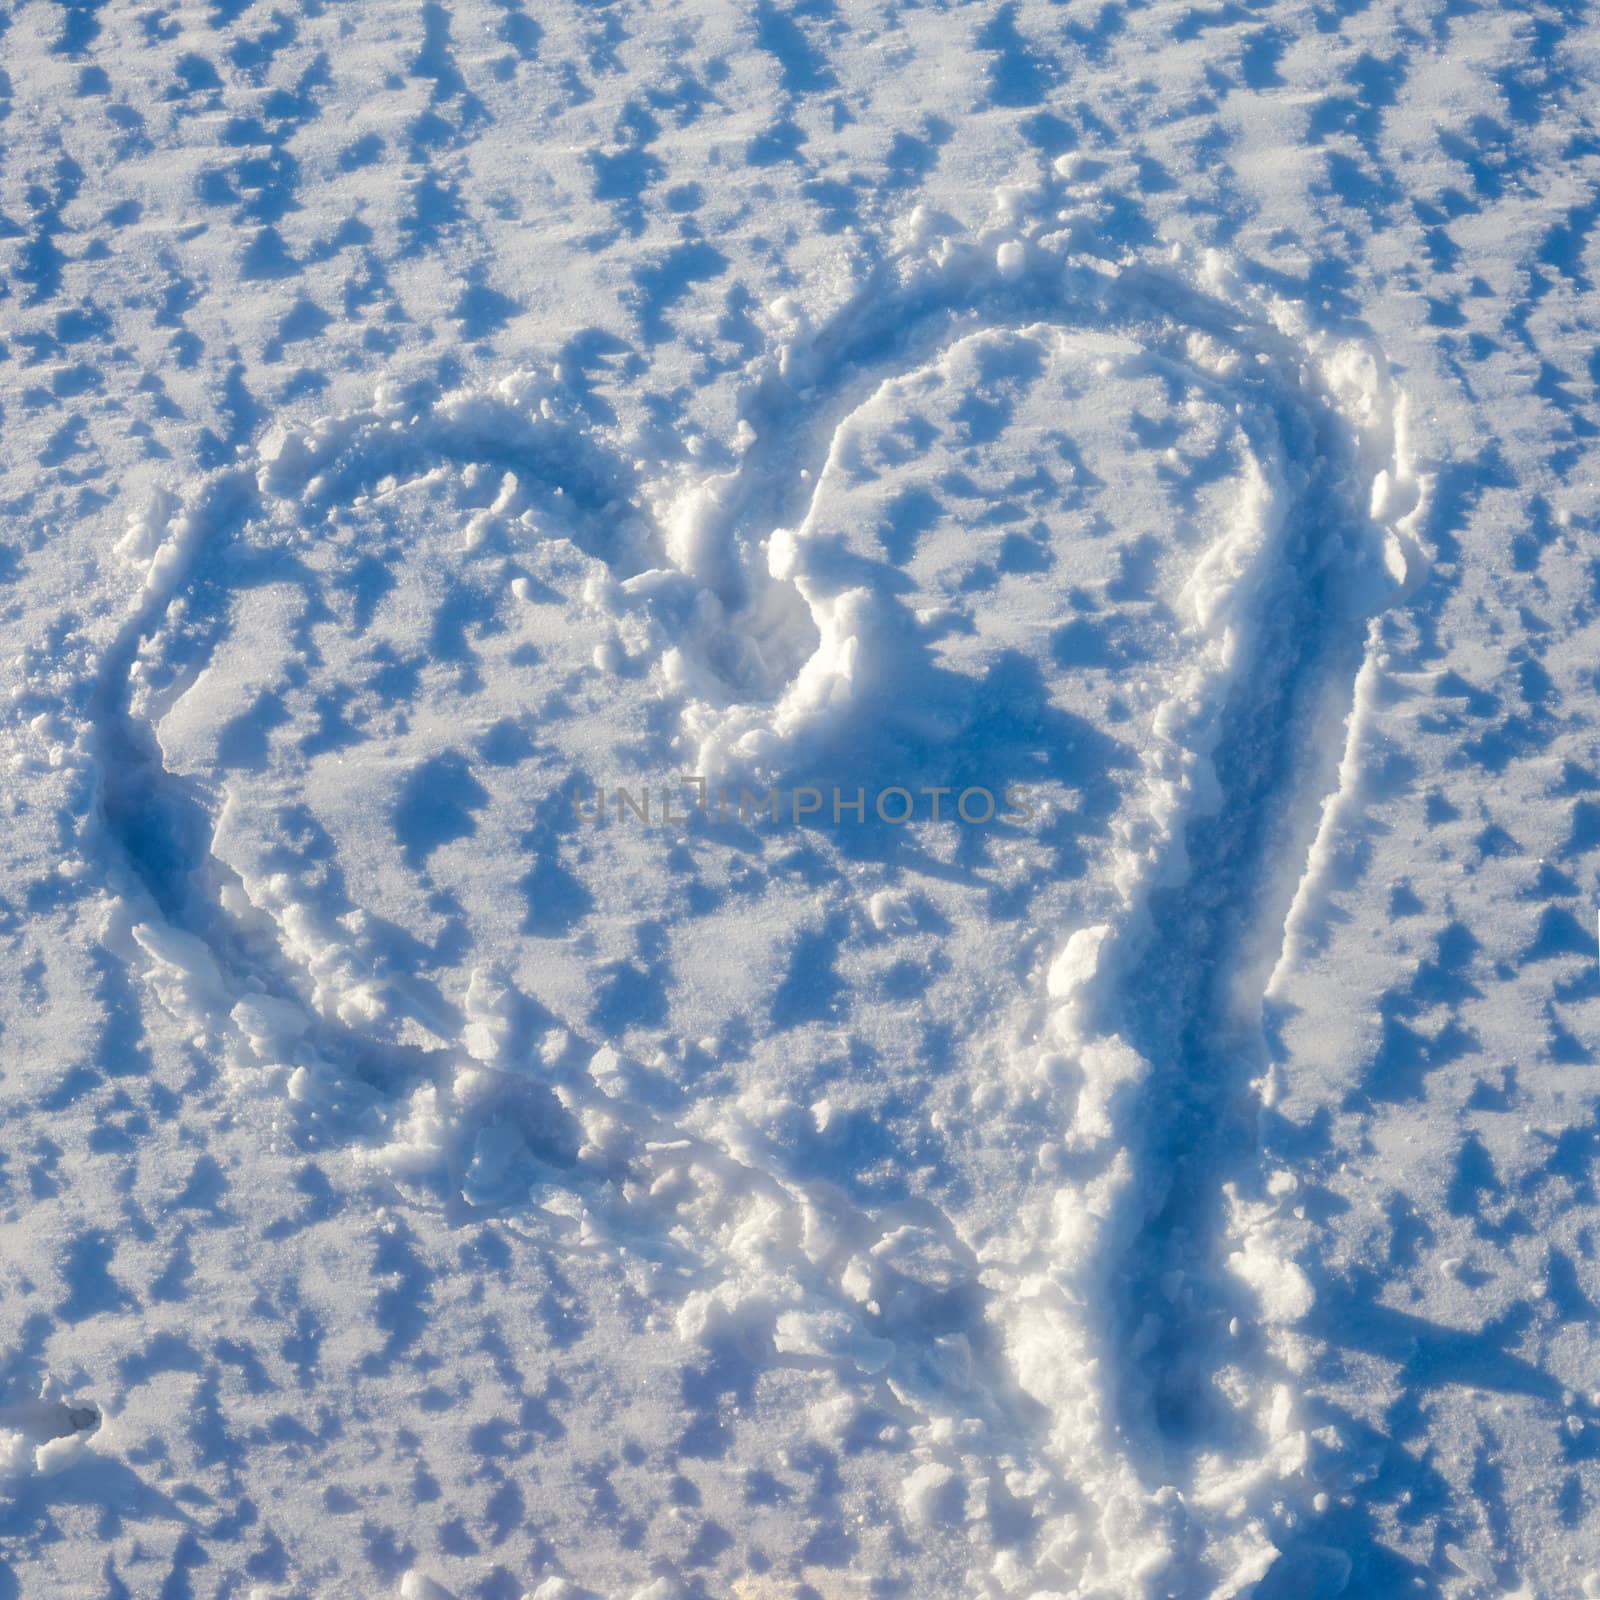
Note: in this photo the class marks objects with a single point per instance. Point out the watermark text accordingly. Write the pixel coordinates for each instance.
(804, 805)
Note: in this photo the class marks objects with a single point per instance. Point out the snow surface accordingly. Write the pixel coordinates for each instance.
(424, 1176)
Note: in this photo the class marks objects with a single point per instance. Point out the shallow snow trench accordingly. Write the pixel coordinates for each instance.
(1018, 517)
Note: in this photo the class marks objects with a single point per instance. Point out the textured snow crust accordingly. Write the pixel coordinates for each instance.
(801, 801)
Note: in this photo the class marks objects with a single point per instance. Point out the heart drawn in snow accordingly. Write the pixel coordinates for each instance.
(1062, 536)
